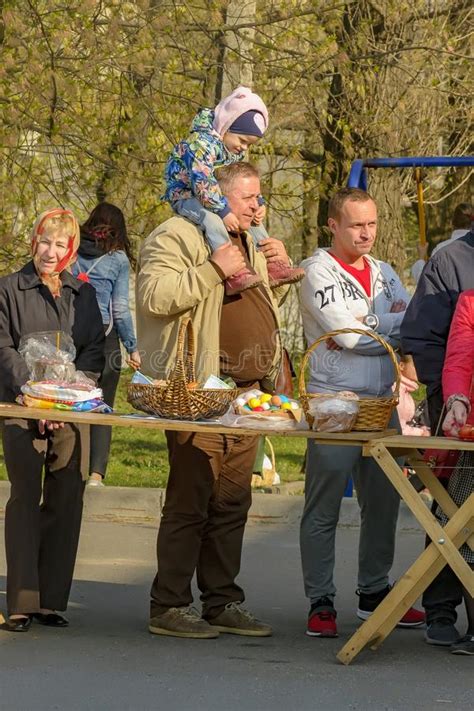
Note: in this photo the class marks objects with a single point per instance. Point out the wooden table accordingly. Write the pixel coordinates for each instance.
(384, 447)
(8, 410)
(445, 542)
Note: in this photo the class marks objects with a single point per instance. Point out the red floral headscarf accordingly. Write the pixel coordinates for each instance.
(49, 220)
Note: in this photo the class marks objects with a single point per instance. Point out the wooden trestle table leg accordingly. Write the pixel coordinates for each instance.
(409, 587)
(444, 548)
(437, 490)
(417, 506)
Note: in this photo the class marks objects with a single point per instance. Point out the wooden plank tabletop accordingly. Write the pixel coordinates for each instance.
(409, 442)
(94, 418)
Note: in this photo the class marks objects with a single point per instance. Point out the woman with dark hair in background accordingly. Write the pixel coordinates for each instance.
(104, 259)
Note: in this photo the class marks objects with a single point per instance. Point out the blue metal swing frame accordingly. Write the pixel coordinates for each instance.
(358, 173)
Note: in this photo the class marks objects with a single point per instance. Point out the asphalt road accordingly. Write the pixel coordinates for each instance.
(107, 660)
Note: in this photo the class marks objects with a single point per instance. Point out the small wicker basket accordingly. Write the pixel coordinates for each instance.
(176, 400)
(374, 413)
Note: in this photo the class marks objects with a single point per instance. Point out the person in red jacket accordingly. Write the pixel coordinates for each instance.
(458, 372)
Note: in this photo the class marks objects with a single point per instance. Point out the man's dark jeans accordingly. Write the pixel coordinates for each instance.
(442, 597)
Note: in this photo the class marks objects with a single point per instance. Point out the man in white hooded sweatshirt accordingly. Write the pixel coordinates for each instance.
(345, 287)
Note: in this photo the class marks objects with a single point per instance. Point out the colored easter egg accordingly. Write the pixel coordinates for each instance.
(265, 405)
(266, 397)
(283, 398)
(254, 402)
(286, 406)
(276, 400)
(258, 409)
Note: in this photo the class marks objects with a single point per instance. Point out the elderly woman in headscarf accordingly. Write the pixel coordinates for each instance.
(41, 539)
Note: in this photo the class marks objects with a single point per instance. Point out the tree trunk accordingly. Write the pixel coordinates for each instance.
(238, 61)
(386, 188)
(309, 232)
(335, 159)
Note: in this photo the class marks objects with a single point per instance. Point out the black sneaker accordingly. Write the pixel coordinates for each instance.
(465, 645)
(441, 632)
(369, 602)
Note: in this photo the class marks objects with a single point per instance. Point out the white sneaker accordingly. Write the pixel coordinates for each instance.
(95, 482)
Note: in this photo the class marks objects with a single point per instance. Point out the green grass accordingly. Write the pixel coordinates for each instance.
(139, 457)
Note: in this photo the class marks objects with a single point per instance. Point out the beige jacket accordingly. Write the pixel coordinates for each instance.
(176, 280)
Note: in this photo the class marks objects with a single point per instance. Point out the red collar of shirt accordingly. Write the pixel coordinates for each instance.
(363, 276)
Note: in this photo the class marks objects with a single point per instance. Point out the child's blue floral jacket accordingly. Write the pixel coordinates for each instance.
(190, 171)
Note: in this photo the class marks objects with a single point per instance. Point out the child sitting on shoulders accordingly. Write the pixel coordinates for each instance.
(220, 137)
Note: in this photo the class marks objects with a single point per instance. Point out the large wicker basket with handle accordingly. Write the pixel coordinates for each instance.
(179, 399)
(374, 413)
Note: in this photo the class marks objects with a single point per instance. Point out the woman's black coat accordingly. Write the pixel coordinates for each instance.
(27, 306)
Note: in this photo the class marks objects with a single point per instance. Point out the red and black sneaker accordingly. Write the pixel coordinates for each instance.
(368, 603)
(322, 619)
(412, 618)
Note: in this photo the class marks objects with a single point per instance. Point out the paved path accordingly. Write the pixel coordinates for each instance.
(107, 660)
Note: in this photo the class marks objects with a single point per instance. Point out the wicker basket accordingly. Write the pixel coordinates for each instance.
(374, 413)
(175, 400)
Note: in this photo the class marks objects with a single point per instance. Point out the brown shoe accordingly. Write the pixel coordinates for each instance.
(241, 281)
(234, 619)
(182, 622)
(280, 273)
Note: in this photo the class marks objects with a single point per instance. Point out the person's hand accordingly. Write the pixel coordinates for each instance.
(398, 306)
(231, 222)
(229, 259)
(44, 425)
(273, 250)
(455, 418)
(422, 250)
(134, 360)
(259, 215)
(331, 345)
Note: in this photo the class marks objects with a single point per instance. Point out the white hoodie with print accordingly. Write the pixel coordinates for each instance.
(332, 299)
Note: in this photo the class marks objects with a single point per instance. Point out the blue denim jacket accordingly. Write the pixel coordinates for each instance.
(110, 278)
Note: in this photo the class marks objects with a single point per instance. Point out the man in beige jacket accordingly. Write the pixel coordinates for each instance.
(208, 493)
